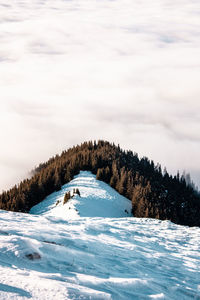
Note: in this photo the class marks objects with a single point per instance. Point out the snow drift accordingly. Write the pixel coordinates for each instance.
(61, 253)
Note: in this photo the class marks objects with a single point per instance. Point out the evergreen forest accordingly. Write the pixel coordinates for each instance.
(153, 192)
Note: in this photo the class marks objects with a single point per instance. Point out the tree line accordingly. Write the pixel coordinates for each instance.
(153, 192)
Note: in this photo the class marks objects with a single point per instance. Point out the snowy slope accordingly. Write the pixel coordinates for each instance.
(97, 200)
(53, 256)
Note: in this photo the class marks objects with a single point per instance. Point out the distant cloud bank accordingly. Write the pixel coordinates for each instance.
(126, 71)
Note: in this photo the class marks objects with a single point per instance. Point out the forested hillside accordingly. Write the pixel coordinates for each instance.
(153, 193)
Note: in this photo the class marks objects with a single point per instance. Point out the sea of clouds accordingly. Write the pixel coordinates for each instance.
(124, 70)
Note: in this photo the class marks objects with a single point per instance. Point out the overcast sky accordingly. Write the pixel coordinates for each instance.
(127, 71)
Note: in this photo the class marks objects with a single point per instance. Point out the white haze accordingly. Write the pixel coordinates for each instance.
(125, 71)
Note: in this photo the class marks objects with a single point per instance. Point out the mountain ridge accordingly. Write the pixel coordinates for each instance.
(153, 193)
(96, 199)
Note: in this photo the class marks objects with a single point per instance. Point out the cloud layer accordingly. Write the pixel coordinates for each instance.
(126, 71)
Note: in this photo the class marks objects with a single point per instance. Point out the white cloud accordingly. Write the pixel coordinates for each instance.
(126, 71)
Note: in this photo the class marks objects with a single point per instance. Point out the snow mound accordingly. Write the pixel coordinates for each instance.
(97, 258)
(97, 199)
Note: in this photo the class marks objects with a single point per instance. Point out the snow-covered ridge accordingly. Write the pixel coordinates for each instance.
(54, 255)
(97, 199)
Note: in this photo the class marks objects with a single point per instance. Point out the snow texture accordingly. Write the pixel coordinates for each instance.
(97, 199)
(83, 253)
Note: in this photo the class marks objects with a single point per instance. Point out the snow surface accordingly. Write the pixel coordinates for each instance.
(56, 256)
(97, 199)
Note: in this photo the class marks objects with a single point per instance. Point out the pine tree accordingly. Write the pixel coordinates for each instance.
(67, 197)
